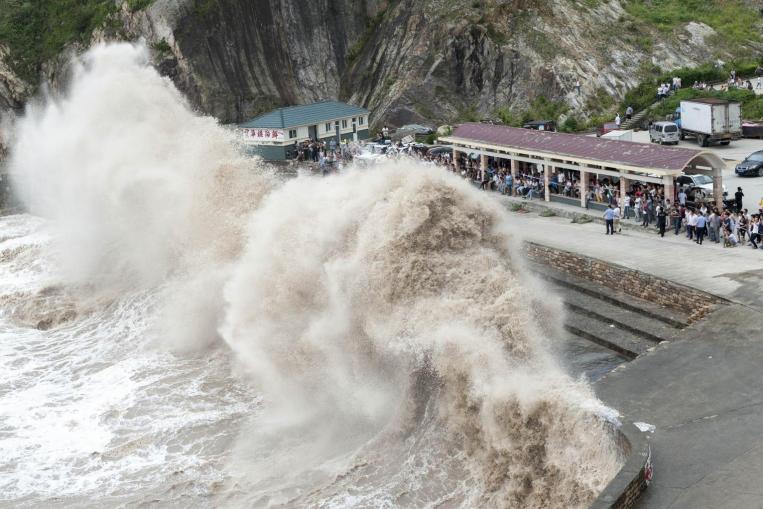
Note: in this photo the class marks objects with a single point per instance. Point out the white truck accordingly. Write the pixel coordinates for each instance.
(709, 120)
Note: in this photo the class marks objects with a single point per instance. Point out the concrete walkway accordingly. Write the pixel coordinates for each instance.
(735, 274)
(704, 393)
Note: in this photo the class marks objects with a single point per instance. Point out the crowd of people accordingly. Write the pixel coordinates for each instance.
(643, 203)
(733, 81)
(324, 156)
(664, 89)
(731, 226)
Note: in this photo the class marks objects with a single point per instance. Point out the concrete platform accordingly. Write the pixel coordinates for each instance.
(704, 393)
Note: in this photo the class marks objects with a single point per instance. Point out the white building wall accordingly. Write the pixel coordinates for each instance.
(303, 132)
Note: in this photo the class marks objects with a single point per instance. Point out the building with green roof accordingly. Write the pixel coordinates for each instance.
(274, 135)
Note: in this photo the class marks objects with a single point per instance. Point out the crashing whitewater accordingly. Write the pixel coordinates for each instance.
(181, 327)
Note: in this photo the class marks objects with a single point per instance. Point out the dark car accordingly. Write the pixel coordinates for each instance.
(443, 149)
(752, 166)
(541, 125)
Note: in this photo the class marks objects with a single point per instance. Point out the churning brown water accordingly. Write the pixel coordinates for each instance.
(183, 329)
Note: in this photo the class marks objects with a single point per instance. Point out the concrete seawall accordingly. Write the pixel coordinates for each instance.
(701, 389)
(695, 303)
(623, 491)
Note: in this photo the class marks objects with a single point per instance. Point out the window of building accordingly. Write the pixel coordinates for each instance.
(292, 133)
(360, 120)
(328, 127)
(344, 123)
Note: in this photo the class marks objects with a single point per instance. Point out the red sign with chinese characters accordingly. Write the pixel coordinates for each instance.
(252, 134)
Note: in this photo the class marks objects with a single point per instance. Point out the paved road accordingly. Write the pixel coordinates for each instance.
(735, 151)
(703, 393)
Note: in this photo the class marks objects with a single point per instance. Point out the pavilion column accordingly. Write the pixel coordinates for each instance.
(670, 193)
(583, 187)
(514, 165)
(718, 188)
(483, 167)
(546, 180)
(455, 160)
(623, 187)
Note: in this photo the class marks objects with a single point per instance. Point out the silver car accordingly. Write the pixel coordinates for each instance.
(664, 132)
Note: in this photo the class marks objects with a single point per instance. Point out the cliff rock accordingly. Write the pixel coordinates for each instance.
(407, 60)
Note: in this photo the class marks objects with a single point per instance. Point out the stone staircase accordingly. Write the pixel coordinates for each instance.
(636, 119)
(622, 324)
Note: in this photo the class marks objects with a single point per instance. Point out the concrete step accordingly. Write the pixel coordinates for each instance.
(640, 324)
(607, 334)
(583, 356)
(621, 300)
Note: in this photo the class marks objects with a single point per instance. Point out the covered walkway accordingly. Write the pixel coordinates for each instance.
(570, 166)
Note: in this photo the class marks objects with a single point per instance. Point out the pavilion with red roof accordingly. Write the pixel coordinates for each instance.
(584, 156)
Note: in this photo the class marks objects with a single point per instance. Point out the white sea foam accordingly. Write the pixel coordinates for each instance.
(183, 328)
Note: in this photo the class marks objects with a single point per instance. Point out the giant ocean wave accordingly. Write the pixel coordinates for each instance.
(181, 327)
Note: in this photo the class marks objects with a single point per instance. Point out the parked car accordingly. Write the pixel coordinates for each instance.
(442, 149)
(606, 128)
(698, 187)
(417, 129)
(541, 125)
(752, 166)
(664, 132)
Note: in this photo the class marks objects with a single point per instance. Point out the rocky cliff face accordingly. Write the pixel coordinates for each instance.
(479, 56)
(236, 58)
(408, 60)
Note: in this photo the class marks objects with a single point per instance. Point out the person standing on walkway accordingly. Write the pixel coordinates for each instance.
(755, 230)
(709, 226)
(662, 219)
(715, 224)
(742, 225)
(616, 226)
(738, 198)
(617, 120)
(675, 219)
(682, 197)
(700, 228)
(647, 213)
(609, 219)
(691, 222)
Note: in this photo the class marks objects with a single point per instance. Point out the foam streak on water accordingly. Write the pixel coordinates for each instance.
(182, 329)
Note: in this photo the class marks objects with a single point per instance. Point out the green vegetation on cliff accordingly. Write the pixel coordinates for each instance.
(38, 30)
(734, 20)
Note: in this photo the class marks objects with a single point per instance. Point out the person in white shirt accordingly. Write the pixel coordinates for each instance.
(682, 197)
(637, 207)
(617, 120)
(617, 219)
(691, 223)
